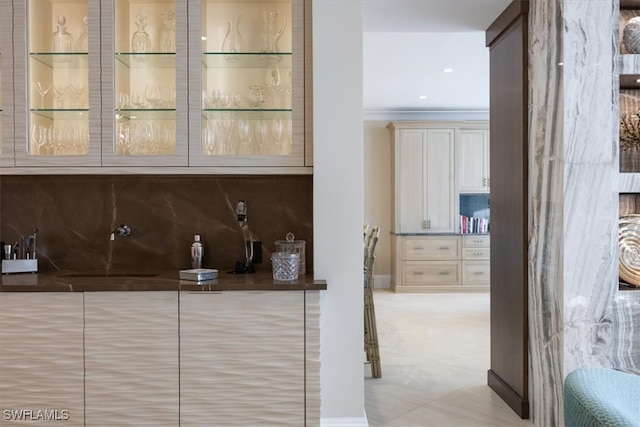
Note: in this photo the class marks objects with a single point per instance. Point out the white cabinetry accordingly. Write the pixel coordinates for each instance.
(189, 100)
(424, 179)
(433, 263)
(41, 359)
(131, 358)
(475, 260)
(242, 358)
(472, 160)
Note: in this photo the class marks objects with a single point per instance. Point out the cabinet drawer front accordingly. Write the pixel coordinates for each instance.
(476, 253)
(431, 273)
(475, 273)
(476, 241)
(445, 248)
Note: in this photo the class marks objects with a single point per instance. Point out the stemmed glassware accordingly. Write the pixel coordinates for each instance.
(276, 131)
(38, 138)
(58, 94)
(244, 131)
(261, 134)
(43, 88)
(76, 93)
(274, 83)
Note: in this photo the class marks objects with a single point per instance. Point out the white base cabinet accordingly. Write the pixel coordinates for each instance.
(41, 359)
(160, 358)
(131, 358)
(452, 263)
(256, 380)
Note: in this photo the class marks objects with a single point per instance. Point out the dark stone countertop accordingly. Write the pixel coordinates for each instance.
(164, 281)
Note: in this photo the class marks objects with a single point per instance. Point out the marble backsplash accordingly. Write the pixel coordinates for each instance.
(75, 216)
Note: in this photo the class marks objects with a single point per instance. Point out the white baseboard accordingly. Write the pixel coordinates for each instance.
(344, 422)
(381, 281)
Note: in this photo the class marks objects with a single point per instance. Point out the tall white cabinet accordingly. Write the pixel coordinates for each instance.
(423, 160)
(434, 163)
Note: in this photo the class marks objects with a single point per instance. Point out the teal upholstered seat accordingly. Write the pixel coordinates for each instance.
(599, 397)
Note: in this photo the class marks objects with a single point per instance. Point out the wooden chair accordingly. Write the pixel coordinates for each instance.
(370, 330)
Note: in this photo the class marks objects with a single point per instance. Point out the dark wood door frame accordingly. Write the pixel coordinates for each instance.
(507, 39)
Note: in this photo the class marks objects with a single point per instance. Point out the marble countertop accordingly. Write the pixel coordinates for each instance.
(163, 281)
(438, 234)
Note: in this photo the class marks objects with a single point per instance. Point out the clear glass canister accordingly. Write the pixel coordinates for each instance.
(293, 246)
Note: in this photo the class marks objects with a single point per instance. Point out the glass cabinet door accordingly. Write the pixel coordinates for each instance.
(147, 108)
(250, 76)
(6, 90)
(59, 115)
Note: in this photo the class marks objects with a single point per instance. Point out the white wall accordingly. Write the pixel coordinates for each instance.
(378, 201)
(338, 204)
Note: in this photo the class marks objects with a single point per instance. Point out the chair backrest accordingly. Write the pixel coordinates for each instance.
(369, 254)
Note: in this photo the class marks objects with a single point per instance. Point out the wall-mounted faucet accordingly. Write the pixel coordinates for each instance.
(241, 217)
(122, 231)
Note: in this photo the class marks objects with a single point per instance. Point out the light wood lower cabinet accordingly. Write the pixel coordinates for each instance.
(449, 263)
(41, 359)
(131, 359)
(256, 380)
(163, 358)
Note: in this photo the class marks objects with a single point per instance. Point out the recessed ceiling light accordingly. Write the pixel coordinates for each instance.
(203, 38)
(561, 63)
(638, 81)
(422, 96)
(447, 70)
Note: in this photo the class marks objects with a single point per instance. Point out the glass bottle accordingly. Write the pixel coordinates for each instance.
(140, 41)
(61, 38)
(270, 32)
(232, 42)
(82, 44)
(168, 33)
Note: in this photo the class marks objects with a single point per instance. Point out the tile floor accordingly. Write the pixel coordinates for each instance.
(434, 351)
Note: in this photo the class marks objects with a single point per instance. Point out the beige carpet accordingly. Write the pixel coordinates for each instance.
(434, 351)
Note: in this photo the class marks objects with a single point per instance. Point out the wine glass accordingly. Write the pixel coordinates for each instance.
(43, 88)
(153, 95)
(261, 134)
(58, 94)
(274, 83)
(76, 93)
(244, 131)
(276, 131)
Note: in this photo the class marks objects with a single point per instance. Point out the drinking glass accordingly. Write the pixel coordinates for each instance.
(244, 131)
(276, 131)
(58, 95)
(42, 88)
(274, 83)
(261, 135)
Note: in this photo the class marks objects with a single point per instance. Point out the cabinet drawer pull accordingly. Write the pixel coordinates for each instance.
(478, 253)
(444, 273)
(477, 241)
(478, 273)
(419, 273)
(444, 248)
(418, 248)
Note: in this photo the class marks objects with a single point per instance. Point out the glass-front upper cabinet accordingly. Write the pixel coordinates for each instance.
(145, 117)
(250, 77)
(59, 111)
(6, 87)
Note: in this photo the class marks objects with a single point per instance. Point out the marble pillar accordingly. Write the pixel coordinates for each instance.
(578, 317)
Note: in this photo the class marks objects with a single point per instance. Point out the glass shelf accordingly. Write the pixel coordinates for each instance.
(147, 113)
(246, 114)
(61, 114)
(147, 60)
(62, 60)
(246, 60)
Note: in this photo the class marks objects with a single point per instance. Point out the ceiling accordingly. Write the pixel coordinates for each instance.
(408, 43)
